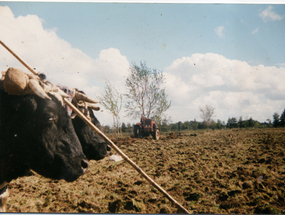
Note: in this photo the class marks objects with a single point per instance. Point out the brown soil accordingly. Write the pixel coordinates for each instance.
(240, 171)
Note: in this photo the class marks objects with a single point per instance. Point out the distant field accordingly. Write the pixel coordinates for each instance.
(222, 171)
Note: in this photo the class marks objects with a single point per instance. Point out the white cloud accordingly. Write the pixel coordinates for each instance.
(269, 15)
(255, 31)
(233, 87)
(220, 31)
(6, 12)
(112, 66)
(44, 50)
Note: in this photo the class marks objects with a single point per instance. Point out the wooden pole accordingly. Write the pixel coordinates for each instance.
(19, 59)
(101, 134)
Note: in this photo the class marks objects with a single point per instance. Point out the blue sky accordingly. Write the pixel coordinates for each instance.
(242, 38)
(161, 33)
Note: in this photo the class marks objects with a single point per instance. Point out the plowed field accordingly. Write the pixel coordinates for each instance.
(228, 171)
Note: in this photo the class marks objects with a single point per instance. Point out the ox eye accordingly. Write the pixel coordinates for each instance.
(51, 119)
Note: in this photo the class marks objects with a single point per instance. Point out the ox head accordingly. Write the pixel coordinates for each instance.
(39, 135)
(94, 147)
(63, 148)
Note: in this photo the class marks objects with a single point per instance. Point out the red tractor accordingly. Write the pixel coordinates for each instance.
(145, 128)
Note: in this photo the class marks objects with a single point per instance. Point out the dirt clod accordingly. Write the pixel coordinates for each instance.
(114, 206)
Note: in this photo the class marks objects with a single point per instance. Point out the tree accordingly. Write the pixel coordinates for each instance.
(124, 127)
(219, 124)
(250, 122)
(106, 129)
(145, 95)
(194, 124)
(164, 126)
(213, 124)
(202, 125)
(276, 120)
(179, 125)
(241, 123)
(129, 128)
(112, 101)
(232, 123)
(282, 119)
(186, 125)
(269, 121)
(206, 114)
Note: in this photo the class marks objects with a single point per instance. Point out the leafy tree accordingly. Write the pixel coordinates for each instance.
(250, 122)
(179, 125)
(282, 119)
(194, 124)
(203, 125)
(186, 125)
(174, 127)
(130, 128)
(241, 123)
(106, 129)
(124, 127)
(207, 113)
(219, 124)
(256, 124)
(145, 95)
(266, 124)
(213, 124)
(276, 120)
(164, 126)
(269, 121)
(232, 123)
(112, 101)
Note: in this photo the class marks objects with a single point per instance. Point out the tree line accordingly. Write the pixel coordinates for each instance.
(232, 122)
(279, 121)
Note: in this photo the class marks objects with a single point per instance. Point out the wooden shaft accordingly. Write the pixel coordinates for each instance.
(101, 134)
(19, 59)
(136, 167)
(3, 184)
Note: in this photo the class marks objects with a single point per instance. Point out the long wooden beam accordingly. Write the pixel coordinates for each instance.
(19, 59)
(110, 142)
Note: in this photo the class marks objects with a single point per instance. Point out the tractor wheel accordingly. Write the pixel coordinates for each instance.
(156, 133)
(136, 131)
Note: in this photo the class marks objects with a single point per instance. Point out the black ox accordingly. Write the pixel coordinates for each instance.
(37, 134)
(94, 147)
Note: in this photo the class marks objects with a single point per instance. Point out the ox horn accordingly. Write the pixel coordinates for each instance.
(51, 88)
(94, 107)
(37, 89)
(80, 96)
(63, 94)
